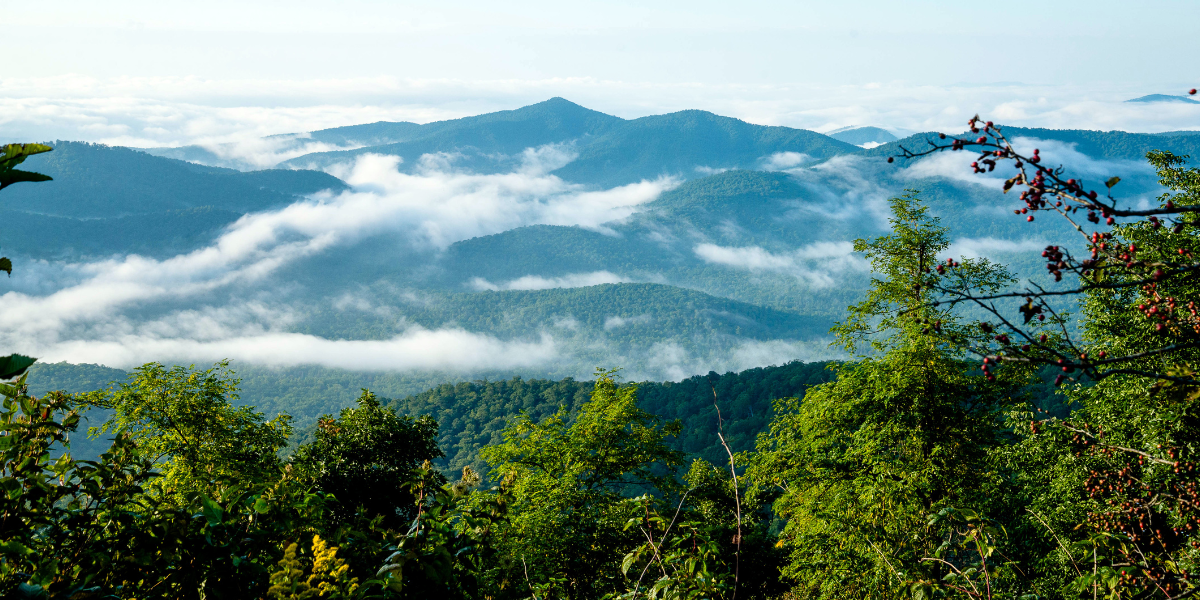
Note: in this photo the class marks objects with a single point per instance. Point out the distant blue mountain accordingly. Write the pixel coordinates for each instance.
(1095, 144)
(862, 136)
(1164, 98)
(611, 150)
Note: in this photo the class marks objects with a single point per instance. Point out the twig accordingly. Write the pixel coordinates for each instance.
(737, 565)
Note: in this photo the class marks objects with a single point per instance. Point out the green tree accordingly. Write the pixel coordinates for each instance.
(365, 459)
(185, 421)
(106, 529)
(1114, 485)
(565, 534)
(863, 463)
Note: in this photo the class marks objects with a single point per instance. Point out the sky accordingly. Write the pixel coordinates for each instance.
(171, 73)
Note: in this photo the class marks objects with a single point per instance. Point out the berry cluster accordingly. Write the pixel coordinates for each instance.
(1152, 503)
(1055, 262)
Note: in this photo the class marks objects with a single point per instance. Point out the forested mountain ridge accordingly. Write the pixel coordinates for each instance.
(610, 151)
(1110, 145)
(97, 181)
(107, 200)
(472, 414)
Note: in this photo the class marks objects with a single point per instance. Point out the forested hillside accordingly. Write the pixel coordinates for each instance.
(472, 415)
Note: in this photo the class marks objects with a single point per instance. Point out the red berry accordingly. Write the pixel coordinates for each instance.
(1192, 91)
(1029, 218)
(890, 159)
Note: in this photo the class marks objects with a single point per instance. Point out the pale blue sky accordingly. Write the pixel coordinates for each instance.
(816, 65)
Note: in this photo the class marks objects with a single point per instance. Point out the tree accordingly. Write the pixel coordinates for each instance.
(1127, 452)
(365, 459)
(106, 528)
(861, 465)
(185, 421)
(565, 532)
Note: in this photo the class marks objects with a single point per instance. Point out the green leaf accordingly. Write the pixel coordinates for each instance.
(212, 511)
(6, 265)
(15, 547)
(1112, 181)
(15, 153)
(8, 178)
(31, 591)
(14, 364)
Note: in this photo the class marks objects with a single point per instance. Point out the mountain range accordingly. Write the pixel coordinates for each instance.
(543, 241)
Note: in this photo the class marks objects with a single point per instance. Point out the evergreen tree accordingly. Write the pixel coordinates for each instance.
(862, 465)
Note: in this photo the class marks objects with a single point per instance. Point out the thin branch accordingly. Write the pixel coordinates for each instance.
(736, 494)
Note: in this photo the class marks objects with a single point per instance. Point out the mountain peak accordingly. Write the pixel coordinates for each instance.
(1164, 98)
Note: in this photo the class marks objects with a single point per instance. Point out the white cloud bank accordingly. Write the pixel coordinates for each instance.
(671, 361)
(536, 282)
(445, 349)
(818, 263)
(177, 111)
(990, 247)
(88, 316)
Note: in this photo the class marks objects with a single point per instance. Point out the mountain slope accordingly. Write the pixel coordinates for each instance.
(505, 132)
(97, 181)
(111, 200)
(677, 144)
(861, 136)
(611, 151)
(1095, 144)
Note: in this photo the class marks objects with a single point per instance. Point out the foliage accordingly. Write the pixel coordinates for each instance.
(13, 365)
(862, 464)
(449, 545)
(74, 529)
(567, 513)
(184, 421)
(681, 557)
(1124, 457)
(328, 575)
(364, 459)
(15, 154)
(472, 415)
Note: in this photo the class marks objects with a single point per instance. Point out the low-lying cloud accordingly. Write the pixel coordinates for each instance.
(417, 349)
(89, 314)
(615, 322)
(671, 361)
(818, 263)
(178, 111)
(956, 166)
(537, 282)
(990, 247)
(781, 161)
